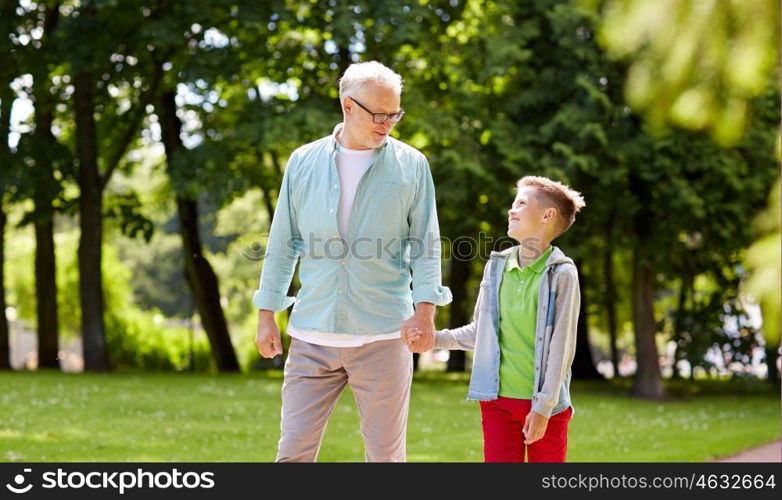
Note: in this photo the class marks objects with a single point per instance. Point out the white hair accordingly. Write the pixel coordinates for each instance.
(359, 75)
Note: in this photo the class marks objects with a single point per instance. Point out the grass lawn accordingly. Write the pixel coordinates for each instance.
(226, 418)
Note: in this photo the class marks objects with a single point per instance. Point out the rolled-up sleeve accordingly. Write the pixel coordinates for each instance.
(282, 250)
(425, 243)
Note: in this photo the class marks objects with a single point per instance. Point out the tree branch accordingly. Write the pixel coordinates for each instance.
(147, 97)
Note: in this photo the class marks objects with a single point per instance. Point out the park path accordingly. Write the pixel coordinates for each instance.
(771, 452)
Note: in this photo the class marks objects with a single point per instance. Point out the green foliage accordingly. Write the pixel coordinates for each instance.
(68, 299)
(239, 265)
(763, 260)
(694, 64)
(158, 279)
(709, 340)
(139, 340)
(19, 281)
(136, 339)
(124, 209)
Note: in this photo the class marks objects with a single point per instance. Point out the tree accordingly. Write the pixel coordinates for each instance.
(725, 58)
(5, 354)
(178, 27)
(6, 99)
(91, 35)
(9, 174)
(200, 276)
(763, 258)
(43, 164)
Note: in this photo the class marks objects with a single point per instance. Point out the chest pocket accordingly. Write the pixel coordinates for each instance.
(387, 207)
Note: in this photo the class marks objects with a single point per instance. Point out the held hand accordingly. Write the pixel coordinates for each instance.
(410, 335)
(267, 337)
(422, 322)
(417, 341)
(534, 427)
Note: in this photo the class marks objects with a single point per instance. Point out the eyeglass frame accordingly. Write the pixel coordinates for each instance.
(388, 116)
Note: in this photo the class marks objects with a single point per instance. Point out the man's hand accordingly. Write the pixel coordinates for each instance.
(267, 337)
(418, 331)
(534, 427)
(416, 341)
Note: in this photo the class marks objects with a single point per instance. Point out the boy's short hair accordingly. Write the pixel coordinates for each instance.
(567, 201)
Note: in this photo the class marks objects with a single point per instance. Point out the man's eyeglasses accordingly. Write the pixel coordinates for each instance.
(382, 117)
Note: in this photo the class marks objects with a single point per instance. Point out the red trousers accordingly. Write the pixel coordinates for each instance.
(503, 439)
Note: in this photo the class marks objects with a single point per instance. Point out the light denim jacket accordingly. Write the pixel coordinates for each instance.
(555, 333)
(361, 285)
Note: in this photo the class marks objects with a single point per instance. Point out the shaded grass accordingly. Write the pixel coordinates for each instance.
(200, 417)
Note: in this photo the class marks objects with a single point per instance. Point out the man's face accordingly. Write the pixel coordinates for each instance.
(364, 131)
(526, 217)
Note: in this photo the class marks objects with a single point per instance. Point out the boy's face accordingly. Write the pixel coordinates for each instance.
(526, 217)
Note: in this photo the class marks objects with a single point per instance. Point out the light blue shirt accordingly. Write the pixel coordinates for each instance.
(360, 285)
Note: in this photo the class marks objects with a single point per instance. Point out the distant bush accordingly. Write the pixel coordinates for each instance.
(135, 341)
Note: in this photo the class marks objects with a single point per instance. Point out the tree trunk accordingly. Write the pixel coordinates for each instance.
(268, 204)
(610, 294)
(6, 100)
(200, 276)
(648, 379)
(90, 224)
(583, 364)
(5, 352)
(205, 287)
(461, 312)
(45, 191)
(344, 56)
(46, 294)
(771, 362)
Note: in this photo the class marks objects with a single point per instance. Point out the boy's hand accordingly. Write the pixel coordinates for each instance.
(534, 427)
(422, 322)
(417, 341)
(410, 335)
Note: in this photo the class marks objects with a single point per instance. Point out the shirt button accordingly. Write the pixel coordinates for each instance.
(331, 211)
(340, 290)
(335, 186)
(344, 262)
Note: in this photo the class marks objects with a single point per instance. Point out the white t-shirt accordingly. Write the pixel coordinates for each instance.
(351, 166)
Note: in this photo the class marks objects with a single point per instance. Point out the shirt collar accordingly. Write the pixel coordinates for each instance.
(538, 266)
(335, 143)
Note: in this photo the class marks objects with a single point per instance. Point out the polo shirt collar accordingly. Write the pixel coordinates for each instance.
(538, 266)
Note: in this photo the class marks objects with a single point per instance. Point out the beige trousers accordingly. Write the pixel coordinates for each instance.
(379, 373)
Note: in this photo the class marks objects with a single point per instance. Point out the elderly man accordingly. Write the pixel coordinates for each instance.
(357, 208)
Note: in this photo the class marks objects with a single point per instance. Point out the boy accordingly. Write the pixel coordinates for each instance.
(523, 330)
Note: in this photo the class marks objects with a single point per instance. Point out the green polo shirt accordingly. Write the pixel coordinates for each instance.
(518, 312)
